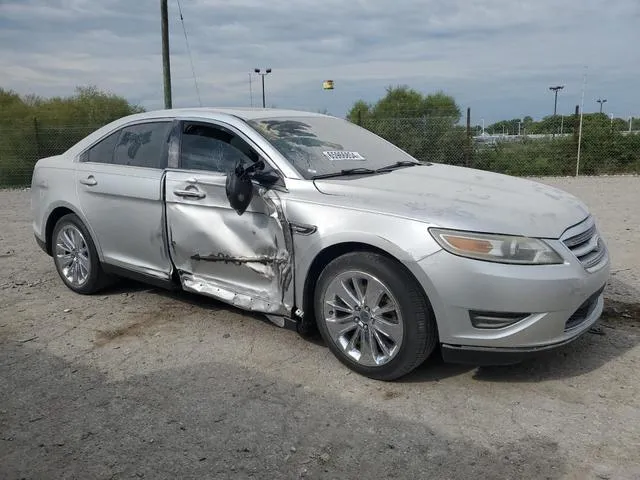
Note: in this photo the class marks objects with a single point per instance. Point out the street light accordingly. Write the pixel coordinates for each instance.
(555, 103)
(267, 72)
(601, 102)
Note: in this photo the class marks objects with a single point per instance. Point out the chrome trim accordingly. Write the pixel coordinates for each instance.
(584, 242)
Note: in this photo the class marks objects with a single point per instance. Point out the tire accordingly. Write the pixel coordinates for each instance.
(397, 332)
(71, 244)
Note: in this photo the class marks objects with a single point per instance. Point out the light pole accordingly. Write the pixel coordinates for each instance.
(250, 90)
(267, 72)
(555, 102)
(601, 101)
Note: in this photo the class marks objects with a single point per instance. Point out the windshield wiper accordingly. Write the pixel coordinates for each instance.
(361, 170)
(345, 172)
(403, 163)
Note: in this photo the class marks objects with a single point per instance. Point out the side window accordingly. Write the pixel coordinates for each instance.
(102, 152)
(143, 145)
(207, 147)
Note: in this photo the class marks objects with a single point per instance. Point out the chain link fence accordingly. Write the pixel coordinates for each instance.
(22, 144)
(604, 147)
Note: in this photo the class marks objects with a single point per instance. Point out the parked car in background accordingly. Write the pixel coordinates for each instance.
(317, 222)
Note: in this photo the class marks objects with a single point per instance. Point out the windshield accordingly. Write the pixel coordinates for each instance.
(318, 146)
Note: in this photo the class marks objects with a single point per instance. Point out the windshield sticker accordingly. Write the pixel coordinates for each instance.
(343, 155)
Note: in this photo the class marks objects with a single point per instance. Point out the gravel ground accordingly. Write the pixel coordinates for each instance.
(137, 382)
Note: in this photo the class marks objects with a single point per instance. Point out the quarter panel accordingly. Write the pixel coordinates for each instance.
(52, 186)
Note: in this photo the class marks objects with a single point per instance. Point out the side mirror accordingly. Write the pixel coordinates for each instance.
(239, 189)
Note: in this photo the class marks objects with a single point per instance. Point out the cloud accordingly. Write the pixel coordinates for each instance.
(496, 57)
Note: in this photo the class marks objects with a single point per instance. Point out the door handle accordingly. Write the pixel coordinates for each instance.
(90, 181)
(189, 193)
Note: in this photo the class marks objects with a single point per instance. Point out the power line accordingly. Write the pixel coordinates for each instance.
(186, 39)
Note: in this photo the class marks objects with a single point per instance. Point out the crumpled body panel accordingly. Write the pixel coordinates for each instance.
(245, 260)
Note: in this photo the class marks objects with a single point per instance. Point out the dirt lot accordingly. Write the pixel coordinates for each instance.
(137, 382)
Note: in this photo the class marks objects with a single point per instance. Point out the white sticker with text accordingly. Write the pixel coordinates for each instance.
(343, 155)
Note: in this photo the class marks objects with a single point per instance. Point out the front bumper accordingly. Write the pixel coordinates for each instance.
(480, 356)
(559, 303)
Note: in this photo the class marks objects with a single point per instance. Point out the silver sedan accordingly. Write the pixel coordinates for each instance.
(320, 224)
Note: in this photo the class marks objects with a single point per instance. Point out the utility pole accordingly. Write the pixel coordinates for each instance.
(601, 102)
(555, 103)
(267, 72)
(166, 67)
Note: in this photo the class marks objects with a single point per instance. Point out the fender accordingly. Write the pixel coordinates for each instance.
(307, 249)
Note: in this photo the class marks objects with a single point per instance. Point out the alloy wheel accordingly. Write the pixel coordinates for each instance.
(363, 318)
(72, 255)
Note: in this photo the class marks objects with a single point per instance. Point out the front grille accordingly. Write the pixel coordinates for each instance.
(587, 246)
(583, 311)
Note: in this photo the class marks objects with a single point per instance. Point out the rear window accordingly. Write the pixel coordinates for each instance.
(143, 145)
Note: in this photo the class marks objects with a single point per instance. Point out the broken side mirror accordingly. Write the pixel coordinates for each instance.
(265, 177)
(239, 189)
(264, 174)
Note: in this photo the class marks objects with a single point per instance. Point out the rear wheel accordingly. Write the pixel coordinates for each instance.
(374, 317)
(75, 256)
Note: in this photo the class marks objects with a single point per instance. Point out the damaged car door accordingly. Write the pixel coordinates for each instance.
(244, 259)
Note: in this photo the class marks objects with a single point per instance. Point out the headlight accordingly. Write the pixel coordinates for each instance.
(496, 248)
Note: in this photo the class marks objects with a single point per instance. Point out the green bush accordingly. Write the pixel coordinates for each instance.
(32, 128)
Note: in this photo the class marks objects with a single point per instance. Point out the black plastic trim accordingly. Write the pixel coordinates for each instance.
(487, 356)
(168, 284)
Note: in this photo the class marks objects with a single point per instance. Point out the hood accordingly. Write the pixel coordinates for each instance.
(462, 198)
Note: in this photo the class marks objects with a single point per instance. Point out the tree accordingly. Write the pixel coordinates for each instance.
(359, 112)
(33, 127)
(405, 102)
(506, 126)
(441, 105)
(89, 106)
(422, 125)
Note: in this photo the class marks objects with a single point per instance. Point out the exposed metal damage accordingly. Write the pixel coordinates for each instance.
(232, 294)
(221, 257)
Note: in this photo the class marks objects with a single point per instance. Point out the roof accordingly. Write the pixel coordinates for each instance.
(233, 115)
(245, 113)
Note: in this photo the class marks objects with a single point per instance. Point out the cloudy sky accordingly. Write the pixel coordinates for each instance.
(496, 56)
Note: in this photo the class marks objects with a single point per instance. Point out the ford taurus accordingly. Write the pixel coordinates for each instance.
(318, 223)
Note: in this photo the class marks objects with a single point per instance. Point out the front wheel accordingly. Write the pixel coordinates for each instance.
(373, 316)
